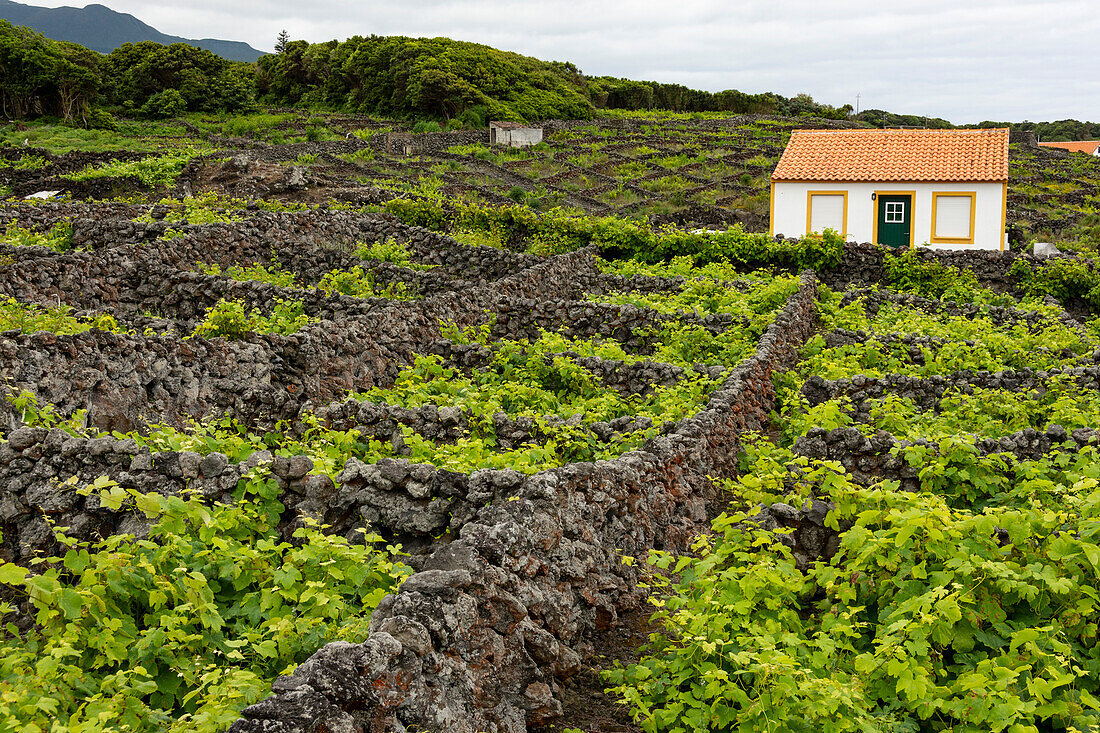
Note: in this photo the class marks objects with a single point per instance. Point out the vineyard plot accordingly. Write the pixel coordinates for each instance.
(921, 552)
(255, 397)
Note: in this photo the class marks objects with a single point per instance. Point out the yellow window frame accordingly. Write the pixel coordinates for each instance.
(810, 213)
(936, 195)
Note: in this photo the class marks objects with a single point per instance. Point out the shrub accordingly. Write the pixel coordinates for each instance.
(272, 275)
(926, 618)
(31, 318)
(911, 272)
(390, 250)
(153, 171)
(179, 631)
(59, 238)
(474, 118)
(228, 319)
(619, 238)
(162, 105)
(359, 283)
(1061, 278)
(101, 119)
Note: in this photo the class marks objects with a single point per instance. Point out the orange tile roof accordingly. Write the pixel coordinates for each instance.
(1079, 146)
(895, 155)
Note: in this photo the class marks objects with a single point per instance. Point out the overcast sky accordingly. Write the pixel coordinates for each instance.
(1005, 60)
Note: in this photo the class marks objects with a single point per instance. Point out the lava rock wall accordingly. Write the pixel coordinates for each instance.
(479, 637)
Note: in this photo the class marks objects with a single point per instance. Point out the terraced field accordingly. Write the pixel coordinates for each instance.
(481, 410)
(701, 170)
(272, 458)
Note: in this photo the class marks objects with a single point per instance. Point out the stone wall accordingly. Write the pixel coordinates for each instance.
(862, 265)
(127, 380)
(478, 639)
(874, 299)
(926, 392)
(514, 572)
(869, 459)
(395, 143)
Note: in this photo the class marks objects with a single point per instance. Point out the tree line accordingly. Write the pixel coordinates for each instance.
(1059, 131)
(43, 77)
(459, 83)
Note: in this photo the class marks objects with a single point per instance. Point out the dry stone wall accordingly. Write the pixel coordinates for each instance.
(878, 457)
(926, 392)
(514, 572)
(127, 380)
(479, 637)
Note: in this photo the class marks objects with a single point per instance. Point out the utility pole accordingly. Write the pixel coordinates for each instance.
(857, 103)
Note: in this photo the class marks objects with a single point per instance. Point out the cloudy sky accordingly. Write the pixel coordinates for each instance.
(1004, 60)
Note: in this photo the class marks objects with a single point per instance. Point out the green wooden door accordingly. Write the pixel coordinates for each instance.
(895, 220)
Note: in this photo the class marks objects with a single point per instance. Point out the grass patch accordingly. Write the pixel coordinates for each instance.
(154, 171)
(144, 137)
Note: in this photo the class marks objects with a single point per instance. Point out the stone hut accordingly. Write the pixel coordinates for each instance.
(514, 134)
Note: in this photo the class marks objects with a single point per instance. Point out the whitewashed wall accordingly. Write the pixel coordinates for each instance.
(789, 211)
(520, 138)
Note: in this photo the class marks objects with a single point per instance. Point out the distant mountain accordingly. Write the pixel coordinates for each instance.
(102, 29)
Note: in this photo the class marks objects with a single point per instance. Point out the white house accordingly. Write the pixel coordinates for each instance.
(946, 189)
(1089, 147)
(514, 134)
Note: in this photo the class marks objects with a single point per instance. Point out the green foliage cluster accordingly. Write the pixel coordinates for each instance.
(538, 380)
(44, 415)
(229, 319)
(437, 78)
(985, 413)
(156, 81)
(210, 208)
(524, 380)
(25, 162)
(963, 343)
(494, 237)
(756, 298)
(922, 619)
(881, 118)
(445, 79)
(1065, 279)
(542, 381)
(391, 250)
(272, 274)
(909, 272)
(626, 94)
(253, 125)
(65, 80)
(967, 606)
(1057, 131)
(466, 84)
(360, 283)
(153, 171)
(58, 138)
(59, 238)
(180, 630)
(31, 318)
(42, 76)
(616, 237)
